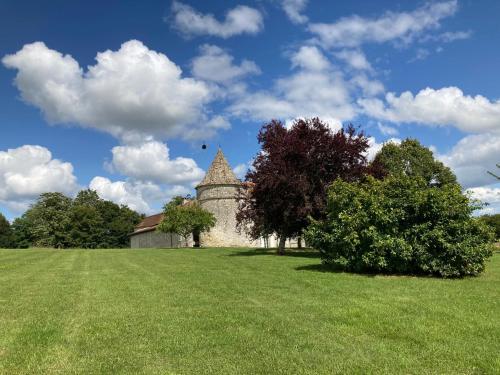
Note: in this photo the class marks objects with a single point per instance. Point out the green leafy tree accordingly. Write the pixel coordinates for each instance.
(6, 235)
(401, 225)
(21, 230)
(85, 222)
(49, 219)
(119, 222)
(289, 177)
(185, 218)
(87, 227)
(412, 159)
(494, 222)
(99, 223)
(88, 198)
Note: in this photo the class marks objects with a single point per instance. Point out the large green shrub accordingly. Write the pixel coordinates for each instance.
(401, 225)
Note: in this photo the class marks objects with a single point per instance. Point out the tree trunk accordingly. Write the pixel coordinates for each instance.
(281, 245)
(299, 242)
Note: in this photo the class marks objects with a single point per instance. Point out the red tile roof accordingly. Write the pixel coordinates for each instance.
(150, 221)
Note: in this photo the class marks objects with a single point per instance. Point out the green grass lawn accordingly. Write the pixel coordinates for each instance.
(222, 311)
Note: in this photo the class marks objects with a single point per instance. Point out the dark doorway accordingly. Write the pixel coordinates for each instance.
(196, 239)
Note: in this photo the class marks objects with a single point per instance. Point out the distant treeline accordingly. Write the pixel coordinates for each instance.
(494, 222)
(57, 221)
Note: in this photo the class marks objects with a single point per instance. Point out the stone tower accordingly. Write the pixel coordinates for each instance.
(217, 194)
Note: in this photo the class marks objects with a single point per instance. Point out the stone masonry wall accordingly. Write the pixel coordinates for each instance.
(221, 201)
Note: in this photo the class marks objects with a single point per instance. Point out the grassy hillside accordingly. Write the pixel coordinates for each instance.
(237, 311)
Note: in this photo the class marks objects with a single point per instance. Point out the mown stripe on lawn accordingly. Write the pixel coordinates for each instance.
(50, 288)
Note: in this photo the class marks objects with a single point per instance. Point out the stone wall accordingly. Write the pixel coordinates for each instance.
(221, 201)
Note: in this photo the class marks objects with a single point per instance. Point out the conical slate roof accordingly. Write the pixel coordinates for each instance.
(219, 173)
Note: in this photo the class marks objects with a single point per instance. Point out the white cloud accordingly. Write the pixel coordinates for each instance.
(332, 123)
(391, 26)
(28, 171)
(315, 89)
(446, 106)
(129, 93)
(355, 58)
(294, 9)
(451, 36)
(218, 122)
(240, 170)
(121, 192)
(216, 65)
(144, 197)
(369, 87)
(387, 130)
(421, 54)
(488, 195)
(310, 58)
(472, 157)
(239, 20)
(448, 36)
(151, 161)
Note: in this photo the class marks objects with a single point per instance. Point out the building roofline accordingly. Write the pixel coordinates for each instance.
(219, 172)
(142, 230)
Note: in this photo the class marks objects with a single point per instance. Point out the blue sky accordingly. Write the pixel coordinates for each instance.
(119, 96)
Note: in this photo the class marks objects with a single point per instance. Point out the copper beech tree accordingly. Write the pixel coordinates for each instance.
(289, 177)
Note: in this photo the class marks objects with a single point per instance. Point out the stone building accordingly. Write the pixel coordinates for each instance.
(217, 194)
(146, 236)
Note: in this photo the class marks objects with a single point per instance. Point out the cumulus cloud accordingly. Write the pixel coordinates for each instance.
(402, 27)
(28, 171)
(144, 197)
(490, 196)
(486, 194)
(239, 20)
(151, 161)
(152, 176)
(122, 193)
(216, 65)
(369, 86)
(310, 58)
(355, 58)
(387, 130)
(294, 10)
(129, 93)
(314, 89)
(446, 106)
(472, 157)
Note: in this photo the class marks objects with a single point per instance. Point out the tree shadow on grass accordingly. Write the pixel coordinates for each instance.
(323, 268)
(305, 253)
